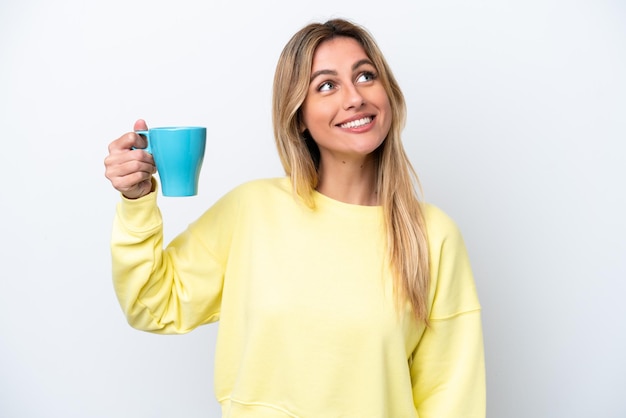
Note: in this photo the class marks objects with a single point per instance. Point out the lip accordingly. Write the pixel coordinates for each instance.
(356, 117)
(359, 129)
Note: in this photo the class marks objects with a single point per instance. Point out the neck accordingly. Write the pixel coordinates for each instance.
(351, 182)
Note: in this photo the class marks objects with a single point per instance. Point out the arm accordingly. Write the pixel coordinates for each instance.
(163, 291)
(448, 365)
(448, 369)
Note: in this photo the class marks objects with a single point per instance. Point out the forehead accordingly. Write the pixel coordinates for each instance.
(337, 51)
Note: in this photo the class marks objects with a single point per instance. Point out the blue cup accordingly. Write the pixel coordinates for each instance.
(178, 154)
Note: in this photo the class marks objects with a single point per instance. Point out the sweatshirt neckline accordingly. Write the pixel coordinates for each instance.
(324, 202)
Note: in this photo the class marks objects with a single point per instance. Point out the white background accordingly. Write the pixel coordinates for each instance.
(517, 122)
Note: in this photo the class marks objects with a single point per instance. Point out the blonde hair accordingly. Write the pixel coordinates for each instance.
(397, 182)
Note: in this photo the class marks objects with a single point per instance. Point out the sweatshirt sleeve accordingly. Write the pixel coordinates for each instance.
(448, 366)
(167, 291)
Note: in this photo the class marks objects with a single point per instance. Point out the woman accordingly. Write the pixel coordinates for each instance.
(338, 293)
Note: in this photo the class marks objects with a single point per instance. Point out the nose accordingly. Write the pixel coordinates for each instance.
(352, 97)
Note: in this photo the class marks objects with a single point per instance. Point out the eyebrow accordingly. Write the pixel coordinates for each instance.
(333, 72)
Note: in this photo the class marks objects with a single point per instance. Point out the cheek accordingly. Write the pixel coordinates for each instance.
(314, 116)
(388, 115)
(381, 101)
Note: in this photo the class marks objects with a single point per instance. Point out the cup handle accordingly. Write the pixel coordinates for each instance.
(145, 133)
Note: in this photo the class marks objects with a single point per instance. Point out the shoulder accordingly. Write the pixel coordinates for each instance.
(259, 191)
(261, 187)
(253, 198)
(440, 227)
(255, 195)
(453, 290)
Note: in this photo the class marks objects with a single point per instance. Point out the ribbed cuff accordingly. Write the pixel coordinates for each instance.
(140, 214)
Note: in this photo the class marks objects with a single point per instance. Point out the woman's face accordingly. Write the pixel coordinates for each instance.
(346, 109)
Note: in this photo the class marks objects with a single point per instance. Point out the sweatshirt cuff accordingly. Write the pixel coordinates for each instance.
(140, 214)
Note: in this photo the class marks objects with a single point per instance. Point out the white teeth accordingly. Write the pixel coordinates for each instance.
(357, 123)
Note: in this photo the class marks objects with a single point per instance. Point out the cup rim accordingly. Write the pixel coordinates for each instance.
(176, 128)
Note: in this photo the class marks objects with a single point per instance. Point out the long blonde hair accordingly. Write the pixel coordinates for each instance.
(397, 182)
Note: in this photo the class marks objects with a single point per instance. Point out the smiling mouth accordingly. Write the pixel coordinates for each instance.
(357, 123)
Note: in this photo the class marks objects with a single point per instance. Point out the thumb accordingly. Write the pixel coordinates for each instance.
(140, 125)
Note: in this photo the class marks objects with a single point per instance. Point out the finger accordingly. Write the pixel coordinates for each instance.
(129, 176)
(122, 166)
(126, 142)
(130, 181)
(140, 125)
(141, 155)
(142, 189)
(118, 168)
(138, 190)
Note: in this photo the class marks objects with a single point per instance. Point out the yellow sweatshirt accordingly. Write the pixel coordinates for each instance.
(308, 326)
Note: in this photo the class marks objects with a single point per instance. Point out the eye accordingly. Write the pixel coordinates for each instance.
(326, 86)
(366, 76)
